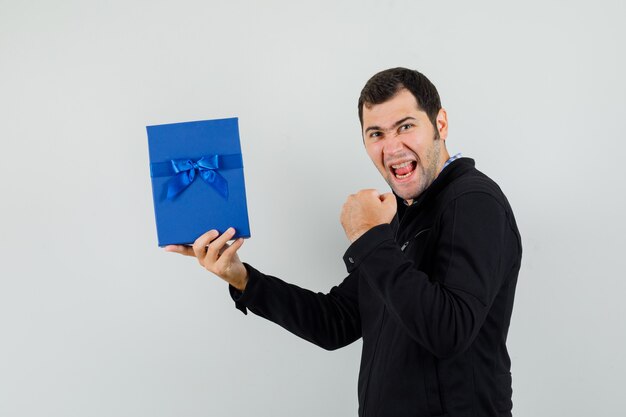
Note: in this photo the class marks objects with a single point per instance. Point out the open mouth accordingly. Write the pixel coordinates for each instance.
(404, 169)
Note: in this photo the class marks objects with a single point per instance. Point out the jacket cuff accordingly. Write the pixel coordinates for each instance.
(241, 298)
(364, 245)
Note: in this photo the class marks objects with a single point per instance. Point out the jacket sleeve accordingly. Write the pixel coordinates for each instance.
(445, 311)
(330, 320)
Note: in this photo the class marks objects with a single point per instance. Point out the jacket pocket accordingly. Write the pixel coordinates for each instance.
(415, 247)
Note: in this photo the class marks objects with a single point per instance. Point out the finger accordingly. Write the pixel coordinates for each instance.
(228, 254)
(222, 249)
(216, 245)
(226, 259)
(386, 197)
(368, 192)
(182, 249)
(199, 246)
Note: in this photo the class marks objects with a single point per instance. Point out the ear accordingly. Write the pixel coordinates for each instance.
(442, 123)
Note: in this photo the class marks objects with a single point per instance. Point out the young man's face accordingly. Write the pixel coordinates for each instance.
(404, 145)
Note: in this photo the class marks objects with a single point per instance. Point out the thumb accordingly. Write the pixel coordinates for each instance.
(390, 205)
(182, 249)
(388, 198)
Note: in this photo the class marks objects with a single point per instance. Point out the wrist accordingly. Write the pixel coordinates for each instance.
(241, 283)
(358, 233)
(353, 237)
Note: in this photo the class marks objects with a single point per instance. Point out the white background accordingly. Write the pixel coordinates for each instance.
(96, 320)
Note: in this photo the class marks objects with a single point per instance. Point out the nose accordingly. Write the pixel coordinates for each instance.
(393, 144)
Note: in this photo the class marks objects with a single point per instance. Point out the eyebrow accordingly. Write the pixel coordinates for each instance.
(396, 124)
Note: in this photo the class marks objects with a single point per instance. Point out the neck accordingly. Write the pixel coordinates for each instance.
(443, 157)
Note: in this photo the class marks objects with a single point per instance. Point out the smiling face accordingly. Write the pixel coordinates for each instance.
(404, 145)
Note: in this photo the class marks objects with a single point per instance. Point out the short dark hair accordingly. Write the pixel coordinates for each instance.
(385, 84)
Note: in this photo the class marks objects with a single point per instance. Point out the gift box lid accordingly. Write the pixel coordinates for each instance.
(197, 177)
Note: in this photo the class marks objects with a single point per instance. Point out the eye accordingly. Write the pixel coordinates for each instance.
(374, 135)
(406, 126)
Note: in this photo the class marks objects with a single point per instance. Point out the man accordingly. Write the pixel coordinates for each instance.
(432, 268)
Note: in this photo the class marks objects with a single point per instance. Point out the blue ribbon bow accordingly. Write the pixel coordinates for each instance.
(184, 172)
(186, 169)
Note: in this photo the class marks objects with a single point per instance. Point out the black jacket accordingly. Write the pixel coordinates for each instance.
(431, 294)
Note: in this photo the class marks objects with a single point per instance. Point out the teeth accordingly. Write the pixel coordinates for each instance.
(402, 165)
(404, 176)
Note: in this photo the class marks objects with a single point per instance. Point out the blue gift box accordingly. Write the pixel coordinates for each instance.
(197, 179)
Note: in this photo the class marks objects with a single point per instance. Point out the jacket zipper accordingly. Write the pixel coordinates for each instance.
(405, 244)
(382, 322)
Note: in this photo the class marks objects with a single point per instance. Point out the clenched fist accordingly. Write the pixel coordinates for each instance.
(366, 209)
